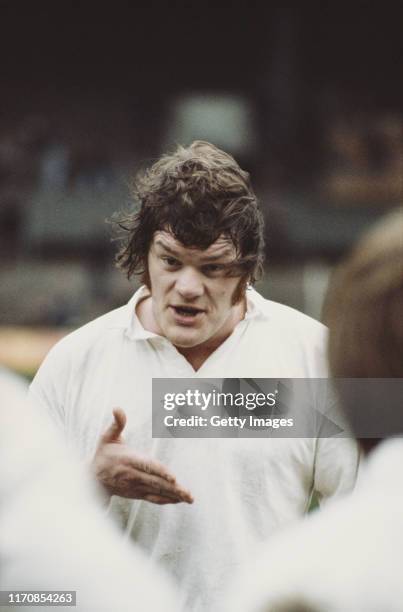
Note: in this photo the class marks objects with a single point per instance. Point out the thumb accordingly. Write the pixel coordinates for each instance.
(112, 434)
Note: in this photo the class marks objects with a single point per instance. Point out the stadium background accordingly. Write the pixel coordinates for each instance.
(308, 96)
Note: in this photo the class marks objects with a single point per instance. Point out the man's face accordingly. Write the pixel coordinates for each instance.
(191, 290)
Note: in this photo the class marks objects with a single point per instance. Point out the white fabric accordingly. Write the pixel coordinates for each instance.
(53, 534)
(347, 558)
(244, 489)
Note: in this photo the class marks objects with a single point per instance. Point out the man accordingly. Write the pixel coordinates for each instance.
(197, 242)
(53, 535)
(348, 557)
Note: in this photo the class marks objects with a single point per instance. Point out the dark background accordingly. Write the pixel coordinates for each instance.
(308, 96)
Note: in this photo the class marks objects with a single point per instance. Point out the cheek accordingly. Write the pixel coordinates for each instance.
(162, 292)
(224, 297)
(152, 273)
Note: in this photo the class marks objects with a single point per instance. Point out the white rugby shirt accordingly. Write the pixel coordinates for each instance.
(244, 488)
(347, 558)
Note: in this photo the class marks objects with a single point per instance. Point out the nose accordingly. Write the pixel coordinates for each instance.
(189, 283)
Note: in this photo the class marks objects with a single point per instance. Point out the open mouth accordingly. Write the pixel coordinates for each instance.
(187, 311)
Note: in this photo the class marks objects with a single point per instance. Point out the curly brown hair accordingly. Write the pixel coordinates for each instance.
(197, 193)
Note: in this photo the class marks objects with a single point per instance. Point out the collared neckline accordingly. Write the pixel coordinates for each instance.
(134, 329)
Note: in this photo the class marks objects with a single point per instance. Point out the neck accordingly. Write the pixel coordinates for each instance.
(197, 355)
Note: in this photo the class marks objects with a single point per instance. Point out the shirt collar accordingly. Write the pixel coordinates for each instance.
(255, 305)
(135, 331)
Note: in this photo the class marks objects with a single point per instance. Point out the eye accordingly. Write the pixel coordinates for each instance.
(171, 262)
(213, 268)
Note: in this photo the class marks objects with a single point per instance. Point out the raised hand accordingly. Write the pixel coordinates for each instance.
(124, 472)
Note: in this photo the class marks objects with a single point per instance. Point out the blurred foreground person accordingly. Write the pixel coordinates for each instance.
(53, 536)
(348, 558)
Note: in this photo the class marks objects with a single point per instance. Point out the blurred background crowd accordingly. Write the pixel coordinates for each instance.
(307, 96)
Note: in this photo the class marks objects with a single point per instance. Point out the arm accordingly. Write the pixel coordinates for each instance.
(336, 466)
(115, 465)
(336, 458)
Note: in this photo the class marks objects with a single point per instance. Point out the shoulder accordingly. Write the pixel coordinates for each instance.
(286, 341)
(288, 320)
(327, 557)
(111, 323)
(76, 347)
(74, 361)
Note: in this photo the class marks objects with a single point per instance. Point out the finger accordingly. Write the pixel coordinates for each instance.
(187, 496)
(160, 500)
(162, 487)
(150, 466)
(156, 470)
(153, 467)
(145, 491)
(112, 434)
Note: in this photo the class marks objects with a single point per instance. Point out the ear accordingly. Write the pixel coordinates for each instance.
(240, 290)
(145, 277)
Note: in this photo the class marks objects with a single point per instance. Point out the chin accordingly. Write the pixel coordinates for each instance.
(184, 341)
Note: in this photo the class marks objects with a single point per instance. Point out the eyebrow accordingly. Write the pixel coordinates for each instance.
(171, 251)
(219, 256)
(168, 249)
